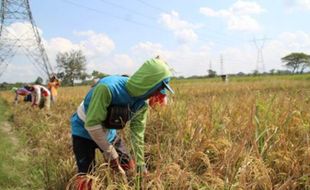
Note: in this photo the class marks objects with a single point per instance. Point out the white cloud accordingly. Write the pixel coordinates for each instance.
(23, 32)
(304, 3)
(144, 50)
(244, 58)
(96, 43)
(13, 51)
(284, 44)
(20, 70)
(296, 5)
(60, 44)
(113, 64)
(183, 30)
(246, 7)
(92, 45)
(187, 61)
(184, 60)
(239, 16)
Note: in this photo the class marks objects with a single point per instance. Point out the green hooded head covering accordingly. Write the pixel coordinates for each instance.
(14, 89)
(151, 73)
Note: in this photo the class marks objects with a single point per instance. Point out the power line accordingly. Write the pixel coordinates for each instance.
(152, 6)
(219, 42)
(129, 10)
(215, 37)
(108, 14)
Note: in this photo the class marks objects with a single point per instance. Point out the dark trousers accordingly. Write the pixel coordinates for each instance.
(84, 151)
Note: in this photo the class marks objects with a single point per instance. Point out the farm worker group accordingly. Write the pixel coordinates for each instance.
(39, 95)
(109, 104)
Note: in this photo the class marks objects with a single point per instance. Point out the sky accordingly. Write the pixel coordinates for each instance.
(228, 36)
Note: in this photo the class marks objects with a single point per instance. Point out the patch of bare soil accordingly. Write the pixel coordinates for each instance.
(7, 128)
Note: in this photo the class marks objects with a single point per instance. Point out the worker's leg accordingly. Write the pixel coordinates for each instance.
(84, 151)
(48, 102)
(16, 98)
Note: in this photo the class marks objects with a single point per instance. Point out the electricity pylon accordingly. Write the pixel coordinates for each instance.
(260, 66)
(19, 35)
(222, 64)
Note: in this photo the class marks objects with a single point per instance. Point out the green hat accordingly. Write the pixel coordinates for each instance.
(14, 89)
(151, 73)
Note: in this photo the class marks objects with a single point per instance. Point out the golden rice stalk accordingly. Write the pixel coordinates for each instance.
(199, 163)
(252, 174)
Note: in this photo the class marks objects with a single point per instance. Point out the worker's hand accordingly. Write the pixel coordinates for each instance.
(116, 166)
(142, 170)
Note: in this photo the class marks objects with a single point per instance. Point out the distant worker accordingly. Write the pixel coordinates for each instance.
(108, 106)
(41, 96)
(94, 82)
(53, 86)
(20, 92)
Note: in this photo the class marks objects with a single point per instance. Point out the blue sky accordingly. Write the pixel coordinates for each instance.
(117, 36)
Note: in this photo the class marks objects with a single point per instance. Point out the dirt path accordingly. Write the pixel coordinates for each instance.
(7, 129)
(13, 156)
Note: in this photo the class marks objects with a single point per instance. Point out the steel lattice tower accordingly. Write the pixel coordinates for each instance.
(16, 14)
(260, 66)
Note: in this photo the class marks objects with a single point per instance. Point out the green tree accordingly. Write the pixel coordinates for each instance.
(98, 74)
(211, 73)
(255, 72)
(39, 80)
(272, 71)
(72, 66)
(297, 62)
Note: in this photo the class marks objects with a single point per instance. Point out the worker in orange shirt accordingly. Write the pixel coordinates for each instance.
(52, 86)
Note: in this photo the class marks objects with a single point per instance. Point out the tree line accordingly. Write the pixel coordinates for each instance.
(296, 63)
(71, 68)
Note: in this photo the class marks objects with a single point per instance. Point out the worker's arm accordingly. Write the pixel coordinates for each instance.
(96, 114)
(137, 129)
(57, 84)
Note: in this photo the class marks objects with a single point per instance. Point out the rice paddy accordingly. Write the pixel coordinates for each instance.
(244, 134)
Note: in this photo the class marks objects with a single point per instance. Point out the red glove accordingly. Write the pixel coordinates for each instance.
(130, 165)
(83, 183)
(115, 165)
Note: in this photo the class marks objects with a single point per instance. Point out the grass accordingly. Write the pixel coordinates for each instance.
(13, 162)
(244, 134)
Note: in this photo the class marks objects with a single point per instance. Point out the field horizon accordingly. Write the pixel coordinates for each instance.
(247, 133)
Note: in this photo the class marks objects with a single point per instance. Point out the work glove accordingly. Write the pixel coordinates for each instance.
(142, 170)
(116, 166)
(83, 183)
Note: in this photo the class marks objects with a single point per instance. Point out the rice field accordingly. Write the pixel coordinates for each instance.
(249, 133)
